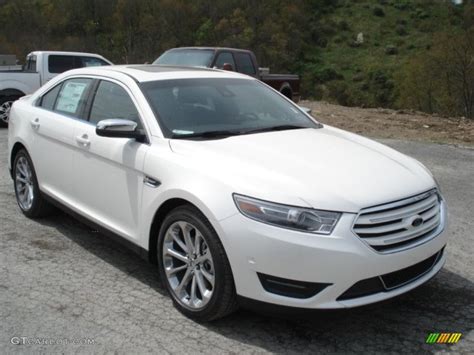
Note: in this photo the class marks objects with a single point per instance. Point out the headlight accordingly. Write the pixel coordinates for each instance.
(302, 219)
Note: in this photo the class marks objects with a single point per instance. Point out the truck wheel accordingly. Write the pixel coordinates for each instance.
(5, 106)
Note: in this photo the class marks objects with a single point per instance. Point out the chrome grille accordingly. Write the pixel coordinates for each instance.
(400, 225)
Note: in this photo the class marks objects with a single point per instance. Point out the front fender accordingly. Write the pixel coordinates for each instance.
(151, 204)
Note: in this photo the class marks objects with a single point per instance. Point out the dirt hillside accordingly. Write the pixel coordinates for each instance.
(401, 124)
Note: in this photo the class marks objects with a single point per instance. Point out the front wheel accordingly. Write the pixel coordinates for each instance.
(194, 267)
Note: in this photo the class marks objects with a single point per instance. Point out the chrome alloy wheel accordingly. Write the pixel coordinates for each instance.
(5, 110)
(188, 265)
(24, 184)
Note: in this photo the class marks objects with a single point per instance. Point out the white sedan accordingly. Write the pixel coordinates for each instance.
(238, 195)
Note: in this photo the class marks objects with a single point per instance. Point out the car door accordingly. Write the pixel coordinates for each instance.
(53, 124)
(108, 171)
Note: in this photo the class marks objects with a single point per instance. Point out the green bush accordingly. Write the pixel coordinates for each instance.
(358, 77)
(391, 50)
(402, 5)
(339, 91)
(401, 30)
(343, 25)
(378, 11)
(327, 74)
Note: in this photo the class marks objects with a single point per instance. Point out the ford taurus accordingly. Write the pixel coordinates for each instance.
(235, 192)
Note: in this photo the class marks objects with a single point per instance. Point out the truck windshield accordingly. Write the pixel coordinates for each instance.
(201, 107)
(186, 57)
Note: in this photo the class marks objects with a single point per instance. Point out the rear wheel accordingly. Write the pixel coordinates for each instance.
(5, 106)
(194, 267)
(28, 194)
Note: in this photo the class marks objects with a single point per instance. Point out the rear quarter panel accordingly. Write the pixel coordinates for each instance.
(18, 126)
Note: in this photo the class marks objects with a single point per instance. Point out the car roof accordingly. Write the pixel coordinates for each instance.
(153, 72)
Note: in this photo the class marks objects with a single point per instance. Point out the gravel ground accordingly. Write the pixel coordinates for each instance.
(60, 280)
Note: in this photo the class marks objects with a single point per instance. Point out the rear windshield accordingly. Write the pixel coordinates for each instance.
(186, 57)
(190, 106)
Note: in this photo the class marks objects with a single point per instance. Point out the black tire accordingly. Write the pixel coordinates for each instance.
(39, 206)
(3, 100)
(223, 300)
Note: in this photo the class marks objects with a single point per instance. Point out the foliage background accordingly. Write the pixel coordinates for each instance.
(416, 54)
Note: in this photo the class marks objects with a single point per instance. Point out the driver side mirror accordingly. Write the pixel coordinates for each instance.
(120, 128)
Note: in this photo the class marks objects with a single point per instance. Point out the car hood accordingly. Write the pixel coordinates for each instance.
(324, 168)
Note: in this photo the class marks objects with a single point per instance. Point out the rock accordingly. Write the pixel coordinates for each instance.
(360, 38)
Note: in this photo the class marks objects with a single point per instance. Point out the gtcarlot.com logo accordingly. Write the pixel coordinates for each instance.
(443, 338)
(51, 341)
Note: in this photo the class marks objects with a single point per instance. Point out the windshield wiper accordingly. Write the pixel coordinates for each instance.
(275, 128)
(207, 134)
(228, 133)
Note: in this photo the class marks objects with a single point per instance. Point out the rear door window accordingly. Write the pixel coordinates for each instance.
(72, 96)
(244, 63)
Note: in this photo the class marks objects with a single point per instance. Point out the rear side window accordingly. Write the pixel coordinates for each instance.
(244, 63)
(72, 96)
(112, 101)
(49, 98)
(60, 63)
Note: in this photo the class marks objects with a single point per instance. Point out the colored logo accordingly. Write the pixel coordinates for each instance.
(443, 338)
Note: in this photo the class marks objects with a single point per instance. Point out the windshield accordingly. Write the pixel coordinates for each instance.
(186, 107)
(186, 57)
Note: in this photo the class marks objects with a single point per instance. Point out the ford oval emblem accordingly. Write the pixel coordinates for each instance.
(418, 221)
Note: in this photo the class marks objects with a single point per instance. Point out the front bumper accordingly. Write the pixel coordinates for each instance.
(340, 260)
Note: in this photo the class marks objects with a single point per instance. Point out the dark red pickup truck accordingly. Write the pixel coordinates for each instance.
(241, 60)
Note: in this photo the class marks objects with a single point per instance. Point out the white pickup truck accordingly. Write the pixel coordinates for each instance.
(39, 68)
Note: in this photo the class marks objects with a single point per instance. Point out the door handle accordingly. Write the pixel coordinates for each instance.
(35, 123)
(83, 140)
